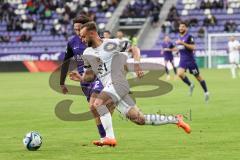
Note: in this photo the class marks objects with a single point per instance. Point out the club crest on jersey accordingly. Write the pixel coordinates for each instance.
(110, 46)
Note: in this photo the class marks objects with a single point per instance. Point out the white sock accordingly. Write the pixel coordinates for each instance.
(106, 119)
(156, 119)
(233, 71)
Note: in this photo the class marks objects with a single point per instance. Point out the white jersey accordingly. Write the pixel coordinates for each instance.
(234, 51)
(107, 61)
(233, 47)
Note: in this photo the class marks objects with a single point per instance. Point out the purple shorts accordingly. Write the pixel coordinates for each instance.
(189, 65)
(92, 87)
(168, 58)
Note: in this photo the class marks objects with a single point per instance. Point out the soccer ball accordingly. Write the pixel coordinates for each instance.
(32, 141)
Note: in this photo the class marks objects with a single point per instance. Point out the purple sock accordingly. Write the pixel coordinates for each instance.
(101, 131)
(204, 85)
(186, 80)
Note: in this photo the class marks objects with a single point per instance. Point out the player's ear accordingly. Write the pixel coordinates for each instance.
(91, 33)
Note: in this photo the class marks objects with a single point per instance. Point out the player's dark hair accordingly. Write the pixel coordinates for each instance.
(91, 26)
(184, 23)
(81, 19)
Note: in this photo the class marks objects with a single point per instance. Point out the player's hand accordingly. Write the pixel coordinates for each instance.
(179, 42)
(138, 71)
(74, 76)
(64, 89)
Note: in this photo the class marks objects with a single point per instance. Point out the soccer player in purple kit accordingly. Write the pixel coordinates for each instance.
(75, 49)
(167, 49)
(186, 47)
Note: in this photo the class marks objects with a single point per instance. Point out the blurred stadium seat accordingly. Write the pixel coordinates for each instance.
(197, 13)
(46, 23)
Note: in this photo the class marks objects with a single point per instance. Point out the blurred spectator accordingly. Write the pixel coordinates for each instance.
(31, 8)
(213, 4)
(92, 16)
(5, 38)
(166, 27)
(173, 14)
(230, 26)
(210, 20)
(47, 13)
(28, 23)
(24, 38)
(205, 4)
(201, 32)
(143, 8)
(155, 16)
(193, 22)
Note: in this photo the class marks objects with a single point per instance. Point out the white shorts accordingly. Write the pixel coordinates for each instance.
(234, 58)
(120, 96)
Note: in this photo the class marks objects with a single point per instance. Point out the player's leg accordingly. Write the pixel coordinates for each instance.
(233, 65)
(127, 107)
(110, 94)
(103, 116)
(182, 75)
(103, 112)
(195, 71)
(166, 69)
(96, 88)
(174, 68)
(100, 127)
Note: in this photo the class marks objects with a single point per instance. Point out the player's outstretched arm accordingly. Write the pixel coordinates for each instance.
(135, 51)
(64, 69)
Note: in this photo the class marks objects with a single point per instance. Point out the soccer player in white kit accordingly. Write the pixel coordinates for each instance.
(234, 47)
(104, 59)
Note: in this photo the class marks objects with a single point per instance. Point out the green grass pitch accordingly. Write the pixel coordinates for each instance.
(27, 103)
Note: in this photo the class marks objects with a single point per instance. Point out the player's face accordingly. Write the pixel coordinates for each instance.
(166, 39)
(119, 34)
(86, 37)
(182, 29)
(77, 27)
(106, 35)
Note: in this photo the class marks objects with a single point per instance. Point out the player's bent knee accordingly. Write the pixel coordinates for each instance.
(97, 104)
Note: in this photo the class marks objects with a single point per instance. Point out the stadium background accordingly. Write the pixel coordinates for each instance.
(39, 30)
(33, 38)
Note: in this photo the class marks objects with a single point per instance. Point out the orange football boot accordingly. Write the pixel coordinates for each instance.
(106, 142)
(183, 124)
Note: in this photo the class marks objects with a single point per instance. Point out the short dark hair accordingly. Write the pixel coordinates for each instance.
(81, 19)
(91, 26)
(184, 23)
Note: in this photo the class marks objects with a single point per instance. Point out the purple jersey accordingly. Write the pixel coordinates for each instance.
(186, 54)
(75, 49)
(168, 56)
